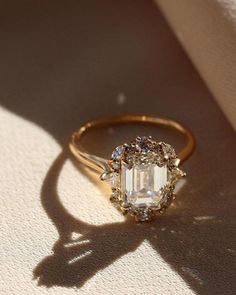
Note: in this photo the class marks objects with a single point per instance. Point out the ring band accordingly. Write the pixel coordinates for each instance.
(99, 164)
(132, 164)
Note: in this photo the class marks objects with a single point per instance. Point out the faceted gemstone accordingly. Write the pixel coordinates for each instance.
(141, 184)
(143, 215)
(168, 150)
(116, 155)
(143, 144)
(115, 181)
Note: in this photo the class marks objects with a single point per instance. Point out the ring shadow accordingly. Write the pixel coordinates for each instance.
(83, 249)
(74, 261)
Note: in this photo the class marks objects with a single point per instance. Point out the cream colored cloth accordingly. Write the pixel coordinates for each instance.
(96, 261)
(207, 31)
(63, 63)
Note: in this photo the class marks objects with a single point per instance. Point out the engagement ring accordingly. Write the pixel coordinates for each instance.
(142, 172)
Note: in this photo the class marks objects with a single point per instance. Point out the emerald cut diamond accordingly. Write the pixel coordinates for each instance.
(141, 184)
(144, 174)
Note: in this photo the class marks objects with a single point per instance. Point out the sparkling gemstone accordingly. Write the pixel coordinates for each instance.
(115, 180)
(141, 184)
(117, 153)
(168, 150)
(143, 215)
(143, 144)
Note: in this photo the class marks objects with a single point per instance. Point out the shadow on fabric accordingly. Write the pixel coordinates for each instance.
(64, 62)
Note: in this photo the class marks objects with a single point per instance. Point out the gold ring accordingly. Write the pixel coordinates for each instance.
(143, 172)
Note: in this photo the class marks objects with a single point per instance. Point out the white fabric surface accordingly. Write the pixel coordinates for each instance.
(62, 64)
(28, 235)
(207, 31)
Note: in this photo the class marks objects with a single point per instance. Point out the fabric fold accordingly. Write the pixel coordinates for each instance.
(207, 31)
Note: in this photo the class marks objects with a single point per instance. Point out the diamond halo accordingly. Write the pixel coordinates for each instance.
(143, 175)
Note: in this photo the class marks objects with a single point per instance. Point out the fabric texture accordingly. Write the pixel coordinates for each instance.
(63, 63)
(207, 31)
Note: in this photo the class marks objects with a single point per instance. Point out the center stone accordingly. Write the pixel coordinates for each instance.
(141, 184)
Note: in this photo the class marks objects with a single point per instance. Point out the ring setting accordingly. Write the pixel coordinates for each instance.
(143, 174)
